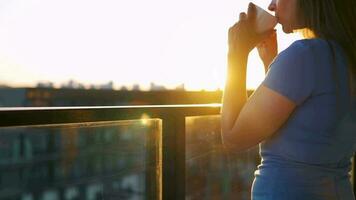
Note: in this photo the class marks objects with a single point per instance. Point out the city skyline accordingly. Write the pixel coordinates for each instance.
(110, 85)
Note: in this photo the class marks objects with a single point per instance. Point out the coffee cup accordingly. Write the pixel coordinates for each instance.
(264, 20)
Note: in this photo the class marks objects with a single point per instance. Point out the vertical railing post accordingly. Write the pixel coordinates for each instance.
(173, 158)
(153, 185)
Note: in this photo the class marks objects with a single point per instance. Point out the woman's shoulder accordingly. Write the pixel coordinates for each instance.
(305, 49)
(294, 52)
(311, 46)
(292, 72)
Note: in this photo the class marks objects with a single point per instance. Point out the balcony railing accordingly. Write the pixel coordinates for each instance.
(158, 143)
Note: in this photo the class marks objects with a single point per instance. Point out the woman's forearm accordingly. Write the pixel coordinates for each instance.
(235, 94)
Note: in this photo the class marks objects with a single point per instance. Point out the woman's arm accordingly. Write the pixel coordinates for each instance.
(246, 122)
(255, 120)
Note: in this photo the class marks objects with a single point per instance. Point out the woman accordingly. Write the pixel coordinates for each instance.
(302, 113)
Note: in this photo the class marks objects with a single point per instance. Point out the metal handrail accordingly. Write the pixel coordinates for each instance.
(30, 116)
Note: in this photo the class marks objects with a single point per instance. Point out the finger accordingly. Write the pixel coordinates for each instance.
(251, 12)
(274, 34)
(260, 45)
(242, 16)
(267, 34)
(270, 33)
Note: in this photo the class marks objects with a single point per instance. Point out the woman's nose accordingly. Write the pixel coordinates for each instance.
(272, 5)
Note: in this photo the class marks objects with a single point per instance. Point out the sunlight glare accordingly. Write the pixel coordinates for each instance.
(121, 42)
(145, 119)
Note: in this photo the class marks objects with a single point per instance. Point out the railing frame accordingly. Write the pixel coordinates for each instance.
(171, 184)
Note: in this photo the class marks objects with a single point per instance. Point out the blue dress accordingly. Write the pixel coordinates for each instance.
(308, 158)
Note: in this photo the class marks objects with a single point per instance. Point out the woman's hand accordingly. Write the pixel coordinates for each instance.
(243, 36)
(267, 49)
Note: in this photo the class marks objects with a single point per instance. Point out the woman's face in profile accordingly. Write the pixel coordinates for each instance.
(286, 13)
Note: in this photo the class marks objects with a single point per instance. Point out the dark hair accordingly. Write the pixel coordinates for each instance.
(333, 20)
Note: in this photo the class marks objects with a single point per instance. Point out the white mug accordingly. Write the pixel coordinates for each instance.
(264, 20)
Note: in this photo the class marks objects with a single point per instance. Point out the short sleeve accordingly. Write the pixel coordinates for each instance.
(291, 74)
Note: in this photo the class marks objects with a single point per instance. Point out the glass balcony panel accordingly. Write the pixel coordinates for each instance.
(212, 173)
(114, 160)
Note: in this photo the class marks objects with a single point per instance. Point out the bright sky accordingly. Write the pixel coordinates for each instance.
(168, 42)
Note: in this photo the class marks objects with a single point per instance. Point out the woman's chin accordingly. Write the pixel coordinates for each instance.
(287, 30)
